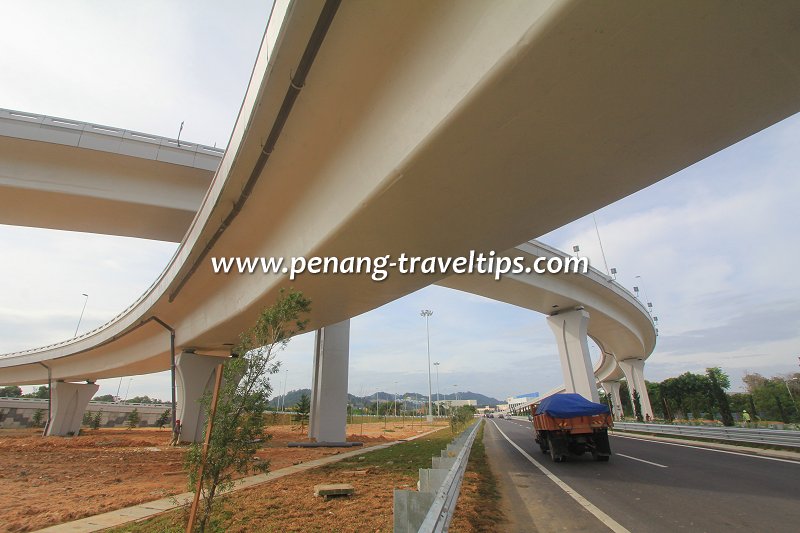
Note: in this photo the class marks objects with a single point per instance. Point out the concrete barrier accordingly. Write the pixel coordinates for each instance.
(18, 413)
(430, 508)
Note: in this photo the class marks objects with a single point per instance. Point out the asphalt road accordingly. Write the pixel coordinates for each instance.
(647, 486)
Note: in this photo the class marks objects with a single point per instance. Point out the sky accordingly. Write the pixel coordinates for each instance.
(713, 247)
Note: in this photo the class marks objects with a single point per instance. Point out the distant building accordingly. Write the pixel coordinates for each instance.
(456, 403)
(520, 400)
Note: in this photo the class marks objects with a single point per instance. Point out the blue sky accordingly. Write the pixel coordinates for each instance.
(715, 245)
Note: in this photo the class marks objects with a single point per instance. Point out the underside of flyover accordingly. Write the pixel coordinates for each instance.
(531, 115)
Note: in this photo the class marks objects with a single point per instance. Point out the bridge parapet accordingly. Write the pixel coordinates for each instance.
(43, 128)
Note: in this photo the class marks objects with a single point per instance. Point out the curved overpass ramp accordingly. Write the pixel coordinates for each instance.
(620, 324)
(99, 179)
(496, 122)
(617, 321)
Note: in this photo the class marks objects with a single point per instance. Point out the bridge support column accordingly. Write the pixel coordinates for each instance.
(328, 421)
(194, 374)
(69, 403)
(612, 390)
(634, 375)
(569, 329)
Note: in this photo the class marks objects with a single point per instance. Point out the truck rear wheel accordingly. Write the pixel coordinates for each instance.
(557, 458)
(554, 455)
(543, 447)
(541, 440)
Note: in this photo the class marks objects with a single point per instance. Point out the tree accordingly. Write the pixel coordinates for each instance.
(302, 408)
(133, 419)
(722, 378)
(770, 395)
(637, 406)
(460, 417)
(656, 404)
(162, 420)
(739, 402)
(38, 418)
(12, 391)
(95, 424)
(239, 422)
(42, 393)
(104, 398)
(625, 399)
(668, 416)
(143, 399)
(718, 382)
(784, 418)
(688, 393)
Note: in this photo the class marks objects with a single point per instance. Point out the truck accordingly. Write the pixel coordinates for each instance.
(568, 423)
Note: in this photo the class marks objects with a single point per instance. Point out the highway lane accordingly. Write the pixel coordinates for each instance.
(657, 487)
(529, 500)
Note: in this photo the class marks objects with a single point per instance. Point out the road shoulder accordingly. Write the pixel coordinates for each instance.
(530, 501)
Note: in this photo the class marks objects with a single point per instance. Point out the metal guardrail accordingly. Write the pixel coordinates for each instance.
(80, 127)
(430, 509)
(773, 437)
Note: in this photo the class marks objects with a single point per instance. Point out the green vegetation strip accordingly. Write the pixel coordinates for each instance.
(480, 509)
(405, 458)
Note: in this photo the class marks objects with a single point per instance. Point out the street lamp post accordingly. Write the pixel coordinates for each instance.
(427, 314)
(283, 397)
(85, 301)
(438, 397)
(791, 396)
(648, 303)
(395, 399)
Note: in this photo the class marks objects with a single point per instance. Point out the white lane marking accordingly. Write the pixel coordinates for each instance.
(641, 460)
(710, 449)
(612, 524)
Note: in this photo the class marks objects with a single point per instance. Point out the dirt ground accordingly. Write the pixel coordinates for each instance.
(68, 478)
(288, 504)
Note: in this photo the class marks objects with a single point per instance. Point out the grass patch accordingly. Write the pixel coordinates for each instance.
(287, 504)
(405, 458)
(478, 507)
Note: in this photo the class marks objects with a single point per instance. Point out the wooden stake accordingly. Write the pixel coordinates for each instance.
(209, 428)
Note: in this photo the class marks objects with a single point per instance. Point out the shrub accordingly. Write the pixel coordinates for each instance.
(133, 419)
(95, 423)
(38, 418)
(162, 420)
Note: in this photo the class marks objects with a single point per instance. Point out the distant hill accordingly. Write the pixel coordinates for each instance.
(292, 397)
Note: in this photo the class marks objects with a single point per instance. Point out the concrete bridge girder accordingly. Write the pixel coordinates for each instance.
(569, 329)
(328, 417)
(611, 389)
(194, 375)
(460, 112)
(634, 375)
(69, 401)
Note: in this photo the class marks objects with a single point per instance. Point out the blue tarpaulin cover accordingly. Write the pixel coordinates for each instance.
(569, 404)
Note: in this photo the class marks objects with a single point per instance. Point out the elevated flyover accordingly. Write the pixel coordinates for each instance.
(497, 121)
(64, 174)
